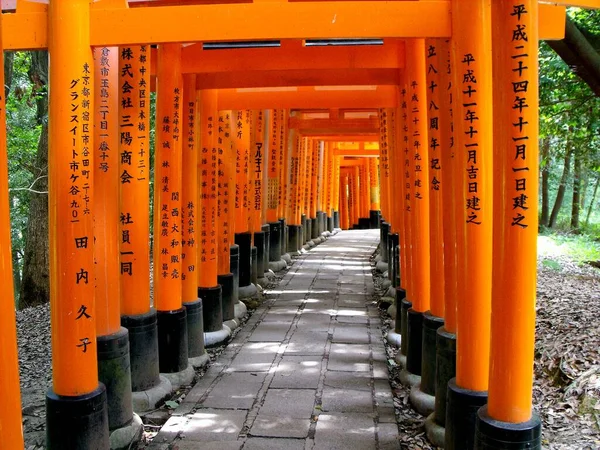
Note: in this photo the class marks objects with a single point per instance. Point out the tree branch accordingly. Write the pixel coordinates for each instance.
(30, 188)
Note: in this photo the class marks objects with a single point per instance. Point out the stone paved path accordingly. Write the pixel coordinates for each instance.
(308, 371)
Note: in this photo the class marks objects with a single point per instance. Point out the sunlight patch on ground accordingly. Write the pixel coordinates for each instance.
(548, 248)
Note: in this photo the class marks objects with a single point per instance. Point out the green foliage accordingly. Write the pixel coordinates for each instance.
(570, 118)
(551, 264)
(23, 133)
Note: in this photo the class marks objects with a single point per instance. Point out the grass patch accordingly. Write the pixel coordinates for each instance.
(578, 247)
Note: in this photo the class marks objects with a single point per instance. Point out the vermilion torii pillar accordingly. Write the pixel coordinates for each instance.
(243, 234)
(304, 183)
(392, 229)
(365, 187)
(209, 289)
(10, 408)
(374, 192)
(344, 204)
(293, 205)
(446, 335)
(283, 191)
(472, 73)
(404, 290)
(112, 339)
(257, 171)
(274, 188)
(313, 206)
(418, 141)
(423, 397)
(190, 219)
(321, 191)
(386, 212)
(508, 419)
(134, 222)
(336, 192)
(172, 316)
(76, 408)
(228, 252)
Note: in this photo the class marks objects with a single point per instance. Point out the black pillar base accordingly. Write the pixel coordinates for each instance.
(307, 230)
(227, 303)
(400, 297)
(492, 434)
(211, 308)
(336, 219)
(314, 228)
(461, 416)
(275, 241)
(267, 230)
(406, 305)
(254, 272)
(172, 340)
(374, 218)
(330, 223)
(114, 371)
(195, 325)
(414, 351)
(283, 235)
(143, 350)
(259, 244)
(445, 371)
(383, 241)
(431, 324)
(304, 228)
(364, 223)
(321, 220)
(244, 240)
(396, 272)
(234, 266)
(74, 423)
(295, 235)
(392, 261)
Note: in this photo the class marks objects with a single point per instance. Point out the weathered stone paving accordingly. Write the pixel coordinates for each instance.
(308, 371)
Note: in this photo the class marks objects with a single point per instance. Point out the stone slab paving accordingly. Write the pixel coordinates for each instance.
(307, 372)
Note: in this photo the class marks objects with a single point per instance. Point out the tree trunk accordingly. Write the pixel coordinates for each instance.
(576, 204)
(591, 205)
(585, 184)
(560, 195)
(35, 285)
(9, 58)
(545, 165)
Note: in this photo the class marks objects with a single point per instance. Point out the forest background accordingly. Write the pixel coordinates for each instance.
(569, 159)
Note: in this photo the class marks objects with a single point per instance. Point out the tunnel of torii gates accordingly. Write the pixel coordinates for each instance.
(270, 132)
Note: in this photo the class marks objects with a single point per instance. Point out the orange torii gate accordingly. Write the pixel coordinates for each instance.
(277, 79)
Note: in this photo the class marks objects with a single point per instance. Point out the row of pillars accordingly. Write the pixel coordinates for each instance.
(359, 200)
(234, 193)
(459, 161)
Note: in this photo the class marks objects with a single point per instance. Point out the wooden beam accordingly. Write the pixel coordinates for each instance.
(308, 98)
(271, 20)
(245, 21)
(351, 162)
(334, 126)
(592, 4)
(552, 22)
(304, 77)
(293, 55)
(357, 153)
(348, 137)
